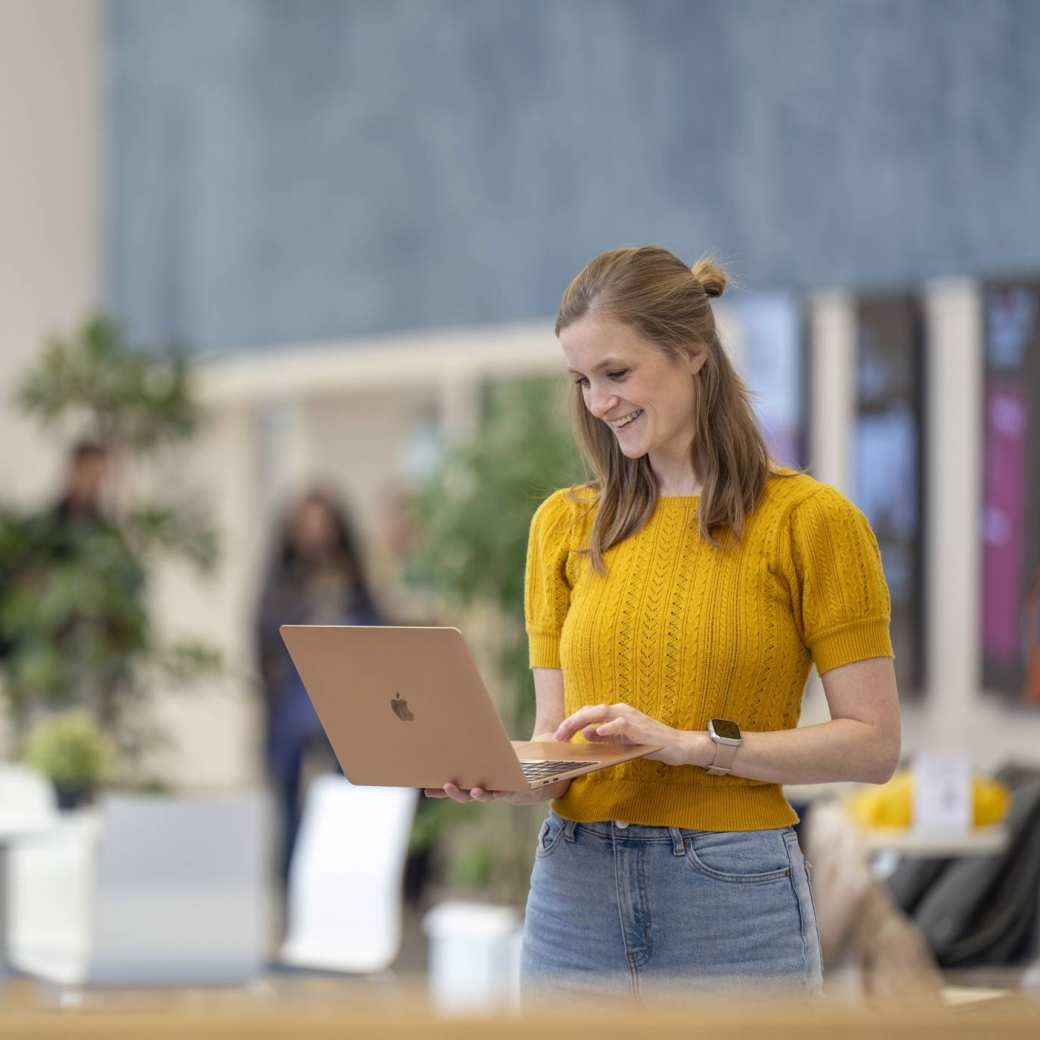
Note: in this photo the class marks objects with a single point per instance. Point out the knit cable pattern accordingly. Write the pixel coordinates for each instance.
(685, 632)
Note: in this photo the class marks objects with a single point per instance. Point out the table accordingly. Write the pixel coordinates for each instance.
(345, 1009)
(982, 841)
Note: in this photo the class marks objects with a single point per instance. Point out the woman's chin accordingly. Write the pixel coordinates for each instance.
(632, 451)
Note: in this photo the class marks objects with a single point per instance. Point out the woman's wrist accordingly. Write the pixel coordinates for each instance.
(698, 748)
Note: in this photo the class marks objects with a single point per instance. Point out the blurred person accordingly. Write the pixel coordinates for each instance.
(315, 577)
(80, 505)
(50, 534)
(678, 599)
(88, 469)
(77, 528)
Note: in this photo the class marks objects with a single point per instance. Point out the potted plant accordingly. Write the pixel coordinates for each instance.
(472, 516)
(76, 624)
(73, 753)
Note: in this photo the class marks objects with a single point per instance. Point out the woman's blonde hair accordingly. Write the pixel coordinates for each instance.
(653, 292)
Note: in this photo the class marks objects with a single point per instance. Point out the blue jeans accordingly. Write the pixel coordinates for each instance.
(293, 730)
(628, 909)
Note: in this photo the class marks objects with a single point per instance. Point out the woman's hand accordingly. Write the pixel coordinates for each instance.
(478, 794)
(623, 724)
(532, 797)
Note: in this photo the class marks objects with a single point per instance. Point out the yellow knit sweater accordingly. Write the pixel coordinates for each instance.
(687, 632)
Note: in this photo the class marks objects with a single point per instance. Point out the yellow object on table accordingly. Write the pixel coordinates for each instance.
(892, 804)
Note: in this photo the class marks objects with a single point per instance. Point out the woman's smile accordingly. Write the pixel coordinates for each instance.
(626, 420)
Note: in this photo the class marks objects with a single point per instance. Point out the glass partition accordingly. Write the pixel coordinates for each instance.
(775, 370)
(887, 443)
(1010, 520)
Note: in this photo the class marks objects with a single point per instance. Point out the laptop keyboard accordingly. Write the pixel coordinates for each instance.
(541, 770)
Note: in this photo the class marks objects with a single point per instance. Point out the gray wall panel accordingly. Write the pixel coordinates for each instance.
(286, 171)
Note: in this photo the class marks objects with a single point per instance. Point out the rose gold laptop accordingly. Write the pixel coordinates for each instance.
(406, 707)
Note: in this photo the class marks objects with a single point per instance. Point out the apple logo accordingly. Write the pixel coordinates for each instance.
(401, 709)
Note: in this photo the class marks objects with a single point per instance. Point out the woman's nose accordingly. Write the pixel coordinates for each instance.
(602, 404)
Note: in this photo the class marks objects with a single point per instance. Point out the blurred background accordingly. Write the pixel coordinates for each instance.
(278, 283)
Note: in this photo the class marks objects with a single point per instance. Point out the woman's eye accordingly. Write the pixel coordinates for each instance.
(620, 374)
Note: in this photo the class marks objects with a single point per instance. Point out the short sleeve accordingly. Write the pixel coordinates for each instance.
(838, 589)
(547, 591)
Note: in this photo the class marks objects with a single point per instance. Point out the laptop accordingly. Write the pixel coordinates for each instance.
(406, 707)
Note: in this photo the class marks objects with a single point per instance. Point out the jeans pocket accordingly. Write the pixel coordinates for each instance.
(739, 857)
(549, 836)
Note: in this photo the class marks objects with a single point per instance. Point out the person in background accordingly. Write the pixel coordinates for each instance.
(79, 508)
(51, 534)
(76, 528)
(89, 465)
(315, 577)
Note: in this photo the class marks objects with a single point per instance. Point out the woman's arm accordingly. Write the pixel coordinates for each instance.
(861, 742)
(548, 715)
(548, 702)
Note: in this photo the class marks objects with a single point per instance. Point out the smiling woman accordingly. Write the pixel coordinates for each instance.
(679, 599)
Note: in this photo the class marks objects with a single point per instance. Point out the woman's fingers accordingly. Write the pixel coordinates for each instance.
(458, 794)
(606, 732)
(584, 716)
(491, 796)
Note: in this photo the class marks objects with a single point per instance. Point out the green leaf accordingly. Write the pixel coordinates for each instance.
(126, 396)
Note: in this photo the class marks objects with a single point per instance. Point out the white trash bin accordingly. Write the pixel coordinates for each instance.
(474, 956)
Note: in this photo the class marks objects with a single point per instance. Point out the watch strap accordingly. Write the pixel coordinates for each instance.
(722, 763)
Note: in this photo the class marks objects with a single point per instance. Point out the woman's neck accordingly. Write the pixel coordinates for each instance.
(680, 492)
(676, 481)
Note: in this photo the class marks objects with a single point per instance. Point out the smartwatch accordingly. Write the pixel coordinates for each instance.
(727, 738)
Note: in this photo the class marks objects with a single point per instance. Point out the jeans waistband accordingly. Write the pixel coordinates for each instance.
(608, 830)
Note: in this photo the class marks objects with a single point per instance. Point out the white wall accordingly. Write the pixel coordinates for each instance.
(50, 191)
(50, 178)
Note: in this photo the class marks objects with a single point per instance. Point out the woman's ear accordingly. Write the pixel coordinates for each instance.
(695, 362)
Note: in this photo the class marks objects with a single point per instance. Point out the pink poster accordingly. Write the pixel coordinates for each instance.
(1003, 525)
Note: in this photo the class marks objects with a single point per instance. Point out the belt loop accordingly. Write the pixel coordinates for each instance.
(678, 845)
(568, 830)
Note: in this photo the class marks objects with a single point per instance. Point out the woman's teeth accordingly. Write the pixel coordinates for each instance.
(627, 419)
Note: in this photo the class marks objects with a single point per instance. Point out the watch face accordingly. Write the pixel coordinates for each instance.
(726, 729)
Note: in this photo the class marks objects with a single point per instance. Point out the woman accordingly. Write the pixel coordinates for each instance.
(315, 578)
(678, 600)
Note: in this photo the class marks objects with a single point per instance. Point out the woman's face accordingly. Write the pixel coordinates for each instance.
(645, 396)
(313, 529)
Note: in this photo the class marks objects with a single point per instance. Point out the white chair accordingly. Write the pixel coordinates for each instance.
(27, 802)
(27, 812)
(344, 906)
(149, 890)
(50, 882)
